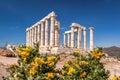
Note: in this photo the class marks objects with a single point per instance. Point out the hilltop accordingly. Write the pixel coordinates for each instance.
(112, 51)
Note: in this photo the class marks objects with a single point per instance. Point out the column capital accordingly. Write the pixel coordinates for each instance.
(47, 18)
(91, 28)
(52, 14)
(84, 28)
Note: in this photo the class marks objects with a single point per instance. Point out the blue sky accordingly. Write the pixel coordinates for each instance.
(103, 15)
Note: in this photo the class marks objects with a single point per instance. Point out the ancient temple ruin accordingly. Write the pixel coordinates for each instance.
(46, 32)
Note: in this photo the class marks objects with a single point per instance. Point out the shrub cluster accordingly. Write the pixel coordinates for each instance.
(33, 66)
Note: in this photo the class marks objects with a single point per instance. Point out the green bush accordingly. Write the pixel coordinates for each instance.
(33, 66)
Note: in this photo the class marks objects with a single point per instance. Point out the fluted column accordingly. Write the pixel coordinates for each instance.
(72, 36)
(42, 33)
(68, 39)
(65, 40)
(26, 36)
(91, 38)
(46, 32)
(79, 38)
(35, 34)
(84, 34)
(32, 36)
(56, 36)
(38, 33)
(58, 33)
(52, 30)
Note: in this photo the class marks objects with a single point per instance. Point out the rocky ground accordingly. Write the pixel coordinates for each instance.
(112, 66)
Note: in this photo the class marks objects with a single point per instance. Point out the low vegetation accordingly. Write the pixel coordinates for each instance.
(33, 66)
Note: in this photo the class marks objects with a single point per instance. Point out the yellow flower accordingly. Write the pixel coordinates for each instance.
(24, 60)
(51, 64)
(75, 60)
(70, 71)
(24, 54)
(32, 71)
(34, 65)
(83, 74)
(63, 72)
(96, 54)
(67, 63)
(76, 65)
(39, 60)
(85, 62)
(27, 49)
(51, 58)
(18, 50)
(50, 75)
(114, 78)
(77, 52)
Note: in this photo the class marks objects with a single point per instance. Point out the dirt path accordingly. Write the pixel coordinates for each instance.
(8, 60)
(4, 62)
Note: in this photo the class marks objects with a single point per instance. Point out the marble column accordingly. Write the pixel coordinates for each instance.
(56, 36)
(42, 33)
(68, 39)
(65, 40)
(33, 38)
(46, 32)
(79, 38)
(30, 36)
(38, 33)
(27, 37)
(91, 38)
(58, 33)
(52, 30)
(35, 35)
(72, 36)
(84, 34)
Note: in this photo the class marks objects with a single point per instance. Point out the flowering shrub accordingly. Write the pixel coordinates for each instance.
(85, 67)
(33, 66)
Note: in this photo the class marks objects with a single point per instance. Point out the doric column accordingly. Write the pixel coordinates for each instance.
(79, 38)
(35, 35)
(58, 33)
(91, 38)
(68, 39)
(38, 33)
(29, 37)
(46, 31)
(56, 36)
(65, 40)
(42, 33)
(52, 30)
(32, 36)
(84, 34)
(26, 36)
(72, 36)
